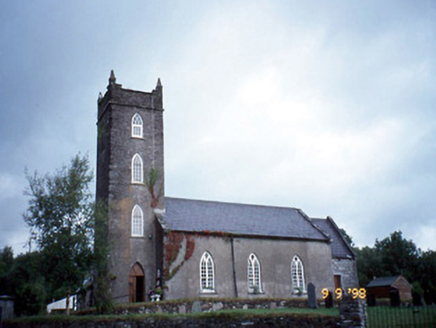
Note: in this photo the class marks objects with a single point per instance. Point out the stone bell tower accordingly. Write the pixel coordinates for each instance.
(130, 181)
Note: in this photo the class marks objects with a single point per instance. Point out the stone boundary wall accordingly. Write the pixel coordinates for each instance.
(353, 313)
(278, 321)
(126, 315)
(208, 305)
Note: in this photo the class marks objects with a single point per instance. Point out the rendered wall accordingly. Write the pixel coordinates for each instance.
(275, 261)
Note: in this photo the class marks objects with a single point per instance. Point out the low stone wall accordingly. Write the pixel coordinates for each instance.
(135, 315)
(353, 313)
(279, 321)
(207, 305)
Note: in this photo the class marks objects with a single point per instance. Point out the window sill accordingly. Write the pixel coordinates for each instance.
(138, 183)
(299, 294)
(207, 291)
(132, 236)
(136, 137)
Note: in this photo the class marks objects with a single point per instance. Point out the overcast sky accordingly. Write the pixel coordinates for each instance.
(327, 106)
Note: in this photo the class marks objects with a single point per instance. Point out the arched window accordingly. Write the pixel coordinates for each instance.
(297, 274)
(137, 222)
(137, 126)
(253, 272)
(207, 277)
(137, 171)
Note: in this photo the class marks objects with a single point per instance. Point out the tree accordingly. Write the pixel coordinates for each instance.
(394, 256)
(102, 295)
(60, 216)
(369, 265)
(6, 263)
(347, 237)
(427, 275)
(398, 255)
(28, 284)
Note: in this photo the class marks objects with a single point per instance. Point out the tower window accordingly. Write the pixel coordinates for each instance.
(137, 126)
(137, 169)
(137, 222)
(207, 278)
(297, 274)
(253, 272)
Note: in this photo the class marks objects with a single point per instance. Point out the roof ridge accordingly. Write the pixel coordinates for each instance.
(388, 277)
(184, 214)
(335, 226)
(233, 203)
(308, 219)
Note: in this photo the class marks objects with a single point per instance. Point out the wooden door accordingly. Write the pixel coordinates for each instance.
(338, 281)
(136, 284)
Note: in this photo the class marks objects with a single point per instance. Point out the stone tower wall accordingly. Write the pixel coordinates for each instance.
(347, 269)
(116, 148)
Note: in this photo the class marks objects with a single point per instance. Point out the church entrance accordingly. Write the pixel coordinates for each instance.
(136, 284)
(338, 283)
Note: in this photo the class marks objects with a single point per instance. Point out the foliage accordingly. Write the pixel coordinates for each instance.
(391, 256)
(25, 282)
(151, 179)
(347, 237)
(103, 298)
(190, 246)
(426, 271)
(6, 258)
(6, 262)
(394, 255)
(60, 217)
(30, 298)
(369, 265)
(398, 255)
(172, 248)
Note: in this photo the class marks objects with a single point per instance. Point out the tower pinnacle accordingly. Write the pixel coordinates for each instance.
(112, 78)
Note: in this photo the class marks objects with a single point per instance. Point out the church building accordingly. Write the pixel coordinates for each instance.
(193, 248)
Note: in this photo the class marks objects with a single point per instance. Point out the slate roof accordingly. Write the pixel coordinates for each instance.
(383, 281)
(199, 215)
(340, 248)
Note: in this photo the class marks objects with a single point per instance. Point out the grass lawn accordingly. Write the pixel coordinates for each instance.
(385, 316)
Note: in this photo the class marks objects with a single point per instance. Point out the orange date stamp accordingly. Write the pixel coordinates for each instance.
(354, 292)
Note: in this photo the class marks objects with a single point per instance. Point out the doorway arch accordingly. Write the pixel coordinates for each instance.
(136, 284)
